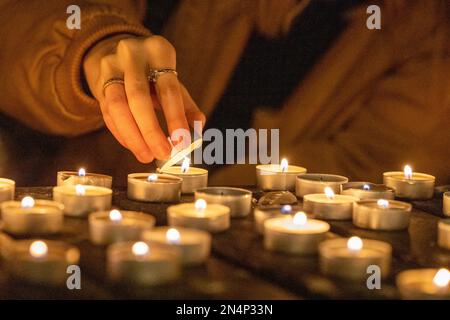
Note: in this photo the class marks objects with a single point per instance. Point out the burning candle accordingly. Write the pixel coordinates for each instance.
(79, 200)
(199, 215)
(7, 188)
(238, 200)
(444, 233)
(424, 284)
(328, 205)
(312, 183)
(294, 234)
(32, 217)
(193, 245)
(381, 214)
(367, 190)
(349, 258)
(70, 178)
(142, 264)
(193, 178)
(409, 184)
(277, 176)
(262, 213)
(154, 187)
(107, 227)
(446, 203)
(41, 262)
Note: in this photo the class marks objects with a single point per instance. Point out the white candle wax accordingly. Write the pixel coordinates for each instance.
(193, 178)
(312, 183)
(409, 184)
(329, 206)
(7, 188)
(277, 176)
(262, 213)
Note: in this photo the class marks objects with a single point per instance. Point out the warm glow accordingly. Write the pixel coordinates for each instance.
(366, 187)
(286, 208)
(80, 190)
(27, 202)
(383, 203)
(82, 172)
(442, 278)
(140, 249)
(173, 235)
(200, 205)
(329, 192)
(185, 165)
(300, 218)
(115, 215)
(38, 249)
(284, 165)
(153, 177)
(354, 244)
(408, 172)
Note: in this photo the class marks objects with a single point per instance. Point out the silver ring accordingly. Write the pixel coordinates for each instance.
(112, 81)
(156, 73)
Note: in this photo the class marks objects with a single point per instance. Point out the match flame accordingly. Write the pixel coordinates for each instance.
(153, 177)
(140, 249)
(27, 202)
(38, 249)
(286, 208)
(185, 165)
(173, 235)
(408, 172)
(442, 278)
(354, 244)
(366, 187)
(81, 172)
(200, 205)
(80, 190)
(383, 203)
(115, 215)
(284, 165)
(300, 219)
(329, 192)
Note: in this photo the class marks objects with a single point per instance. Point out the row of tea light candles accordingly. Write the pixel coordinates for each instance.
(282, 233)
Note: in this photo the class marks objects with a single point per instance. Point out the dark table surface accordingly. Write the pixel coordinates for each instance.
(239, 267)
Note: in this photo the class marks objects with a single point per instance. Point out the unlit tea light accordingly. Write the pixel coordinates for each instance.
(409, 184)
(277, 176)
(32, 217)
(367, 190)
(154, 187)
(312, 183)
(424, 284)
(7, 188)
(238, 200)
(70, 178)
(328, 205)
(193, 178)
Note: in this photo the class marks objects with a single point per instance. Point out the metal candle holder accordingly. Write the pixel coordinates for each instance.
(310, 183)
(166, 187)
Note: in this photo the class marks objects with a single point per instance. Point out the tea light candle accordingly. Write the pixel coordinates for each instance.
(32, 217)
(41, 262)
(444, 233)
(446, 203)
(367, 190)
(409, 184)
(199, 215)
(71, 178)
(381, 214)
(349, 258)
(294, 235)
(424, 284)
(311, 183)
(79, 200)
(262, 213)
(139, 264)
(328, 205)
(107, 227)
(193, 245)
(154, 187)
(7, 188)
(277, 176)
(238, 200)
(193, 178)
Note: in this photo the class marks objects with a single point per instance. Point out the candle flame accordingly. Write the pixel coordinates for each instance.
(185, 165)
(200, 205)
(81, 172)
(27, 202)
(383, 203)
(38, 249)
(173, 235)
(300, 218)
(408, 172)
(366, 187)
(442, 278)
(286, 208)
(115, 215)
(140, 249)
(80, 190)
(329, 192)
(354, 244)
(284, 165)
(153, 177)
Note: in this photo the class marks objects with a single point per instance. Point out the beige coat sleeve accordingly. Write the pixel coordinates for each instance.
(41, 60)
